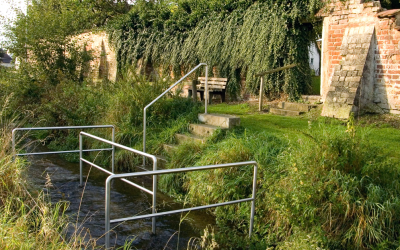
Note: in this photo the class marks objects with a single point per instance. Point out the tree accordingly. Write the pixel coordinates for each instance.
(390, 4)
(42, 37)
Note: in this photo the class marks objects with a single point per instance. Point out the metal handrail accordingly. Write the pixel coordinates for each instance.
(153, 192)
(262, 74)
(69, 151)
(165, 92)
(108, 221)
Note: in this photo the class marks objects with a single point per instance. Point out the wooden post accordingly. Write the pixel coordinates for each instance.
(261, 94)
(194, 90)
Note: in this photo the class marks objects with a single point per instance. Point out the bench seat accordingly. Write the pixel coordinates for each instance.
(216, 86)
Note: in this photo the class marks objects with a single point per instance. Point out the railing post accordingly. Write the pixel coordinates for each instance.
(113, 150)
(144, 134)
(253, 202)
(153, 226)
(206, 94)
(13, 145)
(80, 161)
(165, 92)
(107, 213)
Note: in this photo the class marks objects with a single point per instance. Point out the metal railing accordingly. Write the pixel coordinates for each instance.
(165, 92)
(108, 221)
(152, 192)
(69, 151)
(262, 74)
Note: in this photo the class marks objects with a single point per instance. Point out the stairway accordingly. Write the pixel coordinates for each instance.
(199, 133)
(290, 108)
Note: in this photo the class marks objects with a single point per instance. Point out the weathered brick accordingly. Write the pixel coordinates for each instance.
(353, 84)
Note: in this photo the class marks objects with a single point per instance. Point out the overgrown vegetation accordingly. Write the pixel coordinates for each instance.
(321, 184)
(28, 219)
(239, 38)
(328, 187)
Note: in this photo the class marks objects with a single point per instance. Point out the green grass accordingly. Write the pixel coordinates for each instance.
(316, 85)
(324, 183)
(384, 136)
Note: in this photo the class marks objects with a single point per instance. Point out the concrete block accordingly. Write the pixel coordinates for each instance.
(202, 129)
(169, 148)
(161, 162)
(284, 112)
(219, 120)
(181, 138)
(301, 107)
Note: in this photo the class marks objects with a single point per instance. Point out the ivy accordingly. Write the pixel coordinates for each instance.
(239, 37)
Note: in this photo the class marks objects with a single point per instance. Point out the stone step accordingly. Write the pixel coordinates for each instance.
(223, 121)
(202, 129)
(169, 148)
(312, 98)
(181, 138)
(284, 112)
(161, 162)
(301, 107)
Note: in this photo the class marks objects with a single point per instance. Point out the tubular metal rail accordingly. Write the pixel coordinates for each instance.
(153, 192)
(65, 152)
(178, 170)
(165, 92)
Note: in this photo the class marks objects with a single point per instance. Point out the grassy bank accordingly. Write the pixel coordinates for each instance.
(28, 219)
(322, 184)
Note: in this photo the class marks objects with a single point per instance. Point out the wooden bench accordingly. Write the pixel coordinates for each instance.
(216, 86)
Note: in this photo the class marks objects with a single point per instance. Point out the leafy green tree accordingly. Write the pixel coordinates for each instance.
(239, 37)
(390, 4)
(42, 37)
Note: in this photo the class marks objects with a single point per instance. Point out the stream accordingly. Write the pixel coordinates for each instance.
(86, 206)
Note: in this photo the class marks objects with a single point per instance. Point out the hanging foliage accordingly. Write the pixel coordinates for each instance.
(239, 37)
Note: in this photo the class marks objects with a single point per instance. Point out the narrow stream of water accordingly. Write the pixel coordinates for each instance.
(86, 206)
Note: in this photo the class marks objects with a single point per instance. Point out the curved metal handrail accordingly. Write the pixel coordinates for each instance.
(165, 92)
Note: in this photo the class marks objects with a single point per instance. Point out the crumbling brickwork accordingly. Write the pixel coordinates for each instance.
(104, 63)
(379, 84)
(348, 88)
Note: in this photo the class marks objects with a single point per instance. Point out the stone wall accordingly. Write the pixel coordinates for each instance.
(104, 63)
(380, 81)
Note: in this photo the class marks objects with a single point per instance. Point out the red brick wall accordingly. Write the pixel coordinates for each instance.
(337, 18)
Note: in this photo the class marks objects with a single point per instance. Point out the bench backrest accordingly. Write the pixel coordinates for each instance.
(213, 82)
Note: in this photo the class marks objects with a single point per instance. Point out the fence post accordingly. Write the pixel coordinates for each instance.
(113, 150)
(206, 92)
(194, 90)
(253, 202)
(107, 213)
(261, 94)
(80, 161)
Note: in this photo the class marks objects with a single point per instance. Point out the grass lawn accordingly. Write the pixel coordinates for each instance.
(316, 85)
(383, 131)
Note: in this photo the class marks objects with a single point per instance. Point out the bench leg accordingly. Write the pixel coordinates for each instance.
(189, 93)
(210, 96)
(201, 95)
(223, 96)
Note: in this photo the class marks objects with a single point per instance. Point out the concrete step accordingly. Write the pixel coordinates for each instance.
(312, 98)
(223, 121)
(161, 162)
(284, 112)
(301, 107)
(169, 148)
(181, 138)
(202, 129)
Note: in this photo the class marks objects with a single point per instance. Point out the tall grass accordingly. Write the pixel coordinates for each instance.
(329, 188)
(28, 220)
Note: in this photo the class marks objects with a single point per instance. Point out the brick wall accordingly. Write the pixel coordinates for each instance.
(104, 63)
(386, 64)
